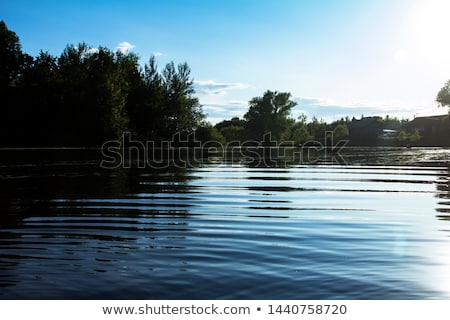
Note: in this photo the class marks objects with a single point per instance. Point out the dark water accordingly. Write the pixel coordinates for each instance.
(375, 228)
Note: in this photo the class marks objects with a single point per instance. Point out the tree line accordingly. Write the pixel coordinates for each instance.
(271, 114)
(87, 96)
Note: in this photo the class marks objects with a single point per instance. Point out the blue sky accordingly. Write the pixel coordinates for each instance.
(337, 58)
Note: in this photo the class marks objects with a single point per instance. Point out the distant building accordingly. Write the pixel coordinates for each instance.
(434, 130)
(429, 126)
(366, 123)
(365, 131)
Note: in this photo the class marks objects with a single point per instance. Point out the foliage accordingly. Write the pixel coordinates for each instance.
(232, 130)
(12, 59)
(207, 133)
(269, 113)
(340, 132)
(301, 134)
(233, 133)
(298, 131)
(404, 136)
(317, 128)
(443, 96)
(393, 123)
(90, 95)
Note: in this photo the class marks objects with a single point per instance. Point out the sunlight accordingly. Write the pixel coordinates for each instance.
(399, 55)
(425, 32)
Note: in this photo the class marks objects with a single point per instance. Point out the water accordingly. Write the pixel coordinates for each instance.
(377, 227)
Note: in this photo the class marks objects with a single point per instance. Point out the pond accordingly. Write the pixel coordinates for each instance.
(374, 227)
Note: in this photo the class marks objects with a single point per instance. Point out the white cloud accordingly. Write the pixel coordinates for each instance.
(327, 109)
(88, 52)
(124, 47)
(330, 110)
(218, 111)
(158, 54)
(213, 88)
(91, 51)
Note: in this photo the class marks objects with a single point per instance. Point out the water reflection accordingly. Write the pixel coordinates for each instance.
(443, 193)
(437, 274)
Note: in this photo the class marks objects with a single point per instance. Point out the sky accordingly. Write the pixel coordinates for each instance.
(336, 58)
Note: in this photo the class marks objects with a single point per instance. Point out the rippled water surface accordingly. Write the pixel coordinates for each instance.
(377, 227)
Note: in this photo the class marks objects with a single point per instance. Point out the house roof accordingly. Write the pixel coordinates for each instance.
(424, 121)
(367, 122)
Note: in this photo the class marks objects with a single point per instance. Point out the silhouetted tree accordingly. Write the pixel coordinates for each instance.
(89, 95)
(75, 121)
(145, 104)
(206, 133)
(13, 62)
(269, 113)
(232, 130)
(93, 96)
(164, 103)
(12, 59)
(233, 133)
(299, 133)
(443, 96)
(40, 101)
(180, 111)
(317, 128)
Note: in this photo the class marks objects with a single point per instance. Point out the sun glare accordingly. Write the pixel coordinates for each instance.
(425, 32)
(399, 55)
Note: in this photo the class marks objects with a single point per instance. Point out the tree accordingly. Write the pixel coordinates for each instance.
(232, 130)
(409, 137)
(89, 95)
(163, 103)
(180, 111)
(74, 122)
(12, 59)
(269, 113)
(298, 131)
(137, 96)
(340, 132)
(145, 103)
(12, 64)
(93, 96)
(233, 122)
(301, 134)
(443, 96)
(40, 101)
(317, 129)
(209, 134)
(233, 133)
(107, 91)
